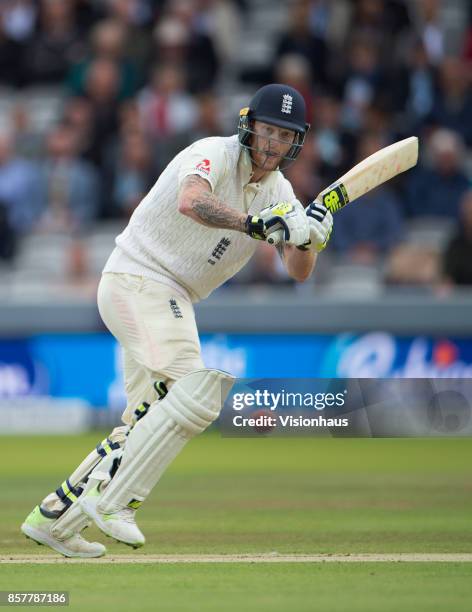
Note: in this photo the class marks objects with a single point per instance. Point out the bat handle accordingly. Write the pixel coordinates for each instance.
(276, 237)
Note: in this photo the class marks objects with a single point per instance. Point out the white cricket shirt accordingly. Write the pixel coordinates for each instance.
(163, 244)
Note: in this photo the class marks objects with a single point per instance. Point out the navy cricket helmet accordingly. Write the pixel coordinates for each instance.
(279, 105)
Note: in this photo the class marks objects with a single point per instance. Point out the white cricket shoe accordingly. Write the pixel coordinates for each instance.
(119, 525)
(38, 528)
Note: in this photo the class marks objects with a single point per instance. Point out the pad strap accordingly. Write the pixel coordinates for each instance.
(106, 446)
(67, 493)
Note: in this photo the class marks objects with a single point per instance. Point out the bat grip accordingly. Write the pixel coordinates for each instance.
(276, 237)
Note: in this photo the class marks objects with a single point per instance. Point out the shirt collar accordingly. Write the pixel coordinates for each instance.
(245, 169)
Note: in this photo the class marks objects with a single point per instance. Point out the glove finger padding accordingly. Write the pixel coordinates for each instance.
(317, 210)
(276, 223)
(290, 218)
(320, 221)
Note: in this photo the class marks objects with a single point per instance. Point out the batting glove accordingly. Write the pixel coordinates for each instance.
(255, 227)
(320, 221)
(291, 219)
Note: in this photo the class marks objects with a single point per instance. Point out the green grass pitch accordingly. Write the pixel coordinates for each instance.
(244, 496)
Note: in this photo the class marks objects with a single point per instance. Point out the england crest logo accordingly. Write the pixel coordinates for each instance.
(287, 103)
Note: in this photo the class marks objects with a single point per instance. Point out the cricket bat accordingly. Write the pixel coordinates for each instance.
(373, 171)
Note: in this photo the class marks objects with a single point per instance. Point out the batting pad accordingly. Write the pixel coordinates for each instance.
(96, 466)
(191, 405)
(70, 523)
(115, 440)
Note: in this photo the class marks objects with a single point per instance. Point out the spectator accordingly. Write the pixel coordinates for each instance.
(221, 21)
(130, 119)
(452, 107)
(79, 115)
(166, 108)
(209, 120)
(19, 18)
(102, 92)
(457, 259)
(380, 23)
(134, 16)
(11, 51)
(130, 130)
(28, 143)
(178, 42)
(412, 264)
(88, 13)
(379, 120)
(56, 45)
(108, 43)
(202, 61)
(8, 237)
(436, 189)
(363, 235)
(374, 225)
(134, 174)
(414, 86)
(467, 53)
(300, 39)
(70, 186)
(19, 187)
(362, 83)
(137, 13)
(334, 144)
(428, 22)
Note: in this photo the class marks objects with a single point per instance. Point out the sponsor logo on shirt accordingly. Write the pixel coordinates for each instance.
(204, 166)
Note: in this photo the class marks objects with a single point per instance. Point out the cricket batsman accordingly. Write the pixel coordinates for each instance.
(195, 229)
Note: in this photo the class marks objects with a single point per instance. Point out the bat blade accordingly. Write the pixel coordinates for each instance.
(371, 172)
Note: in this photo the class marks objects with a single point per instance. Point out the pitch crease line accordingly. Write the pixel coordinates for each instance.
(254, 558)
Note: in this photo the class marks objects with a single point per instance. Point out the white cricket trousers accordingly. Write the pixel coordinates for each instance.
(156, 328)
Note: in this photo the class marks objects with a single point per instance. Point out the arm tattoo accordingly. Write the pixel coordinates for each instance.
(211, 211)
(214, 213)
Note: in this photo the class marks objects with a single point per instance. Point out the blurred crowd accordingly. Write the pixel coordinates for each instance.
(96, 97)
